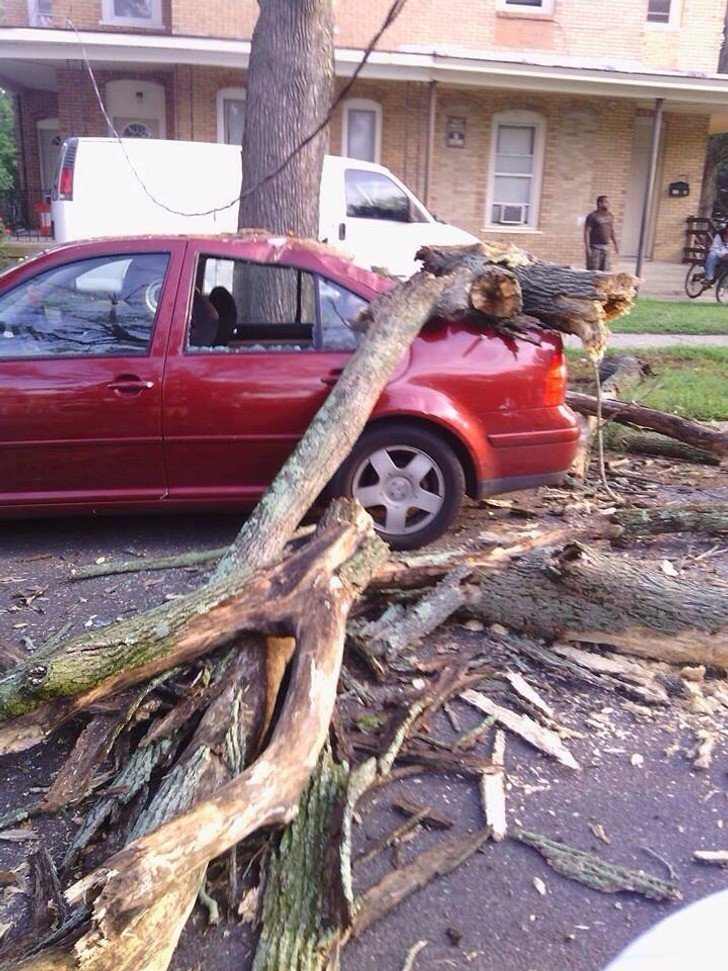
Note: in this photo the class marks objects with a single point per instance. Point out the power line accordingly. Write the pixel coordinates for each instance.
(394, 11)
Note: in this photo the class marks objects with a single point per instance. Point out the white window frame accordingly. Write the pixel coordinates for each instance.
(362, 104)
(512, 6)
(109, 18)
(538, 123)
(673, 22)
(223, 95)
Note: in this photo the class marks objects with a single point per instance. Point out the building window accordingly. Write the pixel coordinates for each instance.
(132, 13)
(136, 129)
(516, 163)
(525, 6)
(40, 13)
(362, 130)
(231, 115)
(663, 13)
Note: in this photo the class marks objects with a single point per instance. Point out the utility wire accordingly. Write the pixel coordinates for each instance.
(394, 11)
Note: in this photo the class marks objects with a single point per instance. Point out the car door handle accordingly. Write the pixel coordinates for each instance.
(332, 377)
(342, 230)
(129, 384)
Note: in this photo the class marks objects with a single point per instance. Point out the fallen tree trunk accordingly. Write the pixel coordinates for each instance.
(140, 644)
(579, 302)
(682, 429)
(622, 438)
(673, 519)
(582, 595)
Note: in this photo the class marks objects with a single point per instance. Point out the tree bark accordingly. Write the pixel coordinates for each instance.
(578, 594)
(96, 665)
(265, 794)
(622, 438)
(659, 421)
(290, 78)
(679, 519)
(579, 302)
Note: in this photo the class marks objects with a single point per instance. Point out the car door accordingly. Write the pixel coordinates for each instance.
(233, 412)
(81, 360)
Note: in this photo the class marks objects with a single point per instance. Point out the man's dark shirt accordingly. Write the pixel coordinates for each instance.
(600, 226)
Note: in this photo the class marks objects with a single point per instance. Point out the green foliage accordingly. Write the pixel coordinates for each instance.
(704, 316)
(685, 381)
(8, 151)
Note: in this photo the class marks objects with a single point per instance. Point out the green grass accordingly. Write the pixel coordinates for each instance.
(688, 381)
(673, 317)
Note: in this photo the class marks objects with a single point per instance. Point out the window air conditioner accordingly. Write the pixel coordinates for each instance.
(512, 215)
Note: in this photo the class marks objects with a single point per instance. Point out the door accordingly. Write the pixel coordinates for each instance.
(235, 411)
(81, 363)
(49, 144)
(636, 191)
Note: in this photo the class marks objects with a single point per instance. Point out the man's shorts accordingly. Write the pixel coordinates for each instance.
(598, 258)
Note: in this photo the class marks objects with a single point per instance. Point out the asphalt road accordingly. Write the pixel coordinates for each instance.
(637, 799)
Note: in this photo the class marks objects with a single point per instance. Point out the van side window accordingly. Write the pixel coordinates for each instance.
(373, 195)
(101, 306)
(255, 307)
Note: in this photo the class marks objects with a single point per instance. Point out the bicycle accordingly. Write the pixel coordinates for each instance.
(695, 281)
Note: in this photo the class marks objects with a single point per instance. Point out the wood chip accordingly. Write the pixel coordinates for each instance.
(529, 694)
(716, 857)
(493, 790)
(541, 738)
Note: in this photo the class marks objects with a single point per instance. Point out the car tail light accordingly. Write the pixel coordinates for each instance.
(555, 386)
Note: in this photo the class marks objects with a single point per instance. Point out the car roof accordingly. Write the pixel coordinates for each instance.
(255, 245)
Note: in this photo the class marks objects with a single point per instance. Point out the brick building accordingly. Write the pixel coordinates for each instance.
(507, 117)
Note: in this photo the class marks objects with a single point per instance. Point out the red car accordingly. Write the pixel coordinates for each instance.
(179, 372)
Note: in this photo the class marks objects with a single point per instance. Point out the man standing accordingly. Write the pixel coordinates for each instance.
(598, 232)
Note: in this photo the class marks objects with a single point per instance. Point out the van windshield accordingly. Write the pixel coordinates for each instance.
(373, 195)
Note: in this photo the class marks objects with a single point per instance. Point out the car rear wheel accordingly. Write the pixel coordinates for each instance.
(408, 479)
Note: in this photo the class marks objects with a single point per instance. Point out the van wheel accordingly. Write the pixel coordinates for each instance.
(409, 481)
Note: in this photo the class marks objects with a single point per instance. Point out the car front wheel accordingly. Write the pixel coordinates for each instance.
(408, 479)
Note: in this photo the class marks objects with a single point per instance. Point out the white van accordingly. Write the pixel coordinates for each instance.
(118, 187)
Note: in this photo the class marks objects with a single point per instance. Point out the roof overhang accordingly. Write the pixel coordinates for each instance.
(25, 48)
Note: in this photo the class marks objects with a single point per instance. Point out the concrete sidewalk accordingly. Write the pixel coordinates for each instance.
(659, 340)
(663, 281)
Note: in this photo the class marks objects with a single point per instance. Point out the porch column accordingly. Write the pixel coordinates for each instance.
(650, 188)
(431, 112)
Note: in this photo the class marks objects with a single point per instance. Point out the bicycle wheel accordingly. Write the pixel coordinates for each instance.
(721, 288)
(694, 280)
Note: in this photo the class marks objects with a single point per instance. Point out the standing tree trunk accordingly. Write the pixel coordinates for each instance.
(290, 77)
